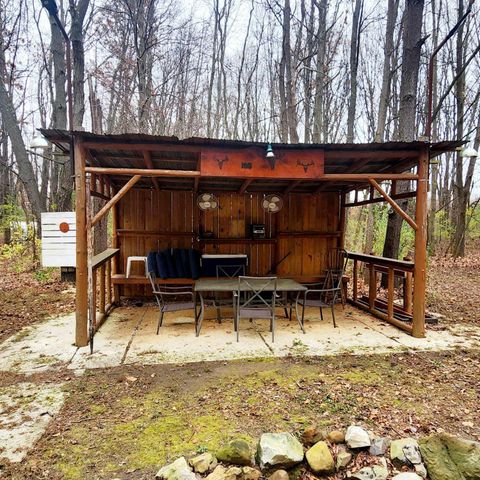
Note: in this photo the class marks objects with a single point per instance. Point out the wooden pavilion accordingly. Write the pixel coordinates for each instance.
(151, 184)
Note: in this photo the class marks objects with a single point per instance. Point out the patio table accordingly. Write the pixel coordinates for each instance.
(204, 285)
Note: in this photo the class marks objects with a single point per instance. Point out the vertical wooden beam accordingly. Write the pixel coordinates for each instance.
(390, 292)
(101, 306)
(341, 239)
(372, 286)
(81, 290)
(419, 272)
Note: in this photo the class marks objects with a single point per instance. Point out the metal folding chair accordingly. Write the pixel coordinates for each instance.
(172, 298)
(321, 296)
(259, 301)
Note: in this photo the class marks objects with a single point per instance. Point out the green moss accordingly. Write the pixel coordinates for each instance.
(362, 377)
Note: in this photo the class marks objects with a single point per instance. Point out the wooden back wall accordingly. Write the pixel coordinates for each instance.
(307, 227)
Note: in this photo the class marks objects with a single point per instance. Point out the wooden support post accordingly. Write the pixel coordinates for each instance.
(391, 286)
(81, 295)
(372, 286)
(419, 272)
(101, 307)
(355, 279)
(341, 227)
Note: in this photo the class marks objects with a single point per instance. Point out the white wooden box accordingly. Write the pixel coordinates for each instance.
(58, 239)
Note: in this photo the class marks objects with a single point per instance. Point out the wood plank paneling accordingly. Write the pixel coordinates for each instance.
(142, 211)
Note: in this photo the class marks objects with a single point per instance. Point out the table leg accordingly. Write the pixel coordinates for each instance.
(199, 316)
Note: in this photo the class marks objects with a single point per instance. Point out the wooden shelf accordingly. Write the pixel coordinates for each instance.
(245, 241)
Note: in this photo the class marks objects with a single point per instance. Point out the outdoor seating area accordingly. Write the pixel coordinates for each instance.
(248, 230)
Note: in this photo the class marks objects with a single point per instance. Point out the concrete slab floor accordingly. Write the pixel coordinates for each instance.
(25, 411)
(128, 337)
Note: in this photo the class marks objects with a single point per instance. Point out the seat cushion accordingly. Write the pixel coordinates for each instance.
(177, 258)
(194, 258)
(171, 268)
(185, 262)
(152, 263)
(162, 269)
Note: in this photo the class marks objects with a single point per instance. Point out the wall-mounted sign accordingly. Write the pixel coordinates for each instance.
(251, 163)
(58, 239)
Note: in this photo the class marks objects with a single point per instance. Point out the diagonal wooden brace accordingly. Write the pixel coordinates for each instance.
(393, 203)
(104, 210)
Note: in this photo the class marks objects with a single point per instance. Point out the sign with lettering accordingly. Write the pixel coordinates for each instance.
(251, 163)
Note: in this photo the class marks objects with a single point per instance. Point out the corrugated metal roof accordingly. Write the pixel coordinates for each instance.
(387, 157)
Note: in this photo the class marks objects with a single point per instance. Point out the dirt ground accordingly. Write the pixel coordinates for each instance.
(127, 422)
(27, 297)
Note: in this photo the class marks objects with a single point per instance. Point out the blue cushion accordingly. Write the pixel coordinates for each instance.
(162, 265)
(185, 262)
(194, 257)
(172, 271)
(178, 263)
(152, 263)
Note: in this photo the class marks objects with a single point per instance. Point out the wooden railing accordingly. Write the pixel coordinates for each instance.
(102, 277)
(398, 315)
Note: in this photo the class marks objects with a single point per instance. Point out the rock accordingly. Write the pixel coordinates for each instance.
(320, 459)
(421, 470)
(237, 451)
(249, 473)
(405, 451)
(312, 435)
(203, 463)
(218, 473)
(279, 475)
(357, 437)
(343, 459)
(178, 470)
(407, 476)
(232, 473)
(376, 472)
(379, 446)
(336, 436)
(450, 458)
(279, 450)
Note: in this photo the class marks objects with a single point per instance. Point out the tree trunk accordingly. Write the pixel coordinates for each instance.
(354, 57)
(412, 44)
(318, 112)
(388, 68)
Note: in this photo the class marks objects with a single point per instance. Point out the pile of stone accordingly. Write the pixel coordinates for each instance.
(278, 456)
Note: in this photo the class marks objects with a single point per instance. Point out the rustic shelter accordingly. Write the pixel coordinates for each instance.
(151, 184)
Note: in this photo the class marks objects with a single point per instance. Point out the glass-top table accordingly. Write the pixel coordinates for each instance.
(204, 285)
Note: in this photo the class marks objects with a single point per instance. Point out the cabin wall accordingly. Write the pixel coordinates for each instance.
(305, 229)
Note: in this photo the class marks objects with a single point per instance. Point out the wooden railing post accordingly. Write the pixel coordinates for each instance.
(391, 286)
(372, 286)
(102, 290)
(109, 282)
(355, 279)
(407, 289)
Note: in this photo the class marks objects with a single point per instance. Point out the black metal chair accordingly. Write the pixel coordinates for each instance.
(226, 271)
(172, 298)
(337, 259)
(259, 301)
(318, 295)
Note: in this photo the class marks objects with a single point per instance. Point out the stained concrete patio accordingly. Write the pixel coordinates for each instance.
(128, 337)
